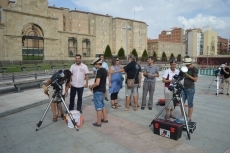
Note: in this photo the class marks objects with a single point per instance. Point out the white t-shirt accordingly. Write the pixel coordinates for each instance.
(170, 73)
(78, 77)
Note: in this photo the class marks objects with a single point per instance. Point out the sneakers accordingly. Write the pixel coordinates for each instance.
(150, 108)
(104, 121)
(106, 99)
(95, 124)
(142, 107)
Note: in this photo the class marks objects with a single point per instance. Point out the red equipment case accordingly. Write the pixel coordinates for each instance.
(167, 129)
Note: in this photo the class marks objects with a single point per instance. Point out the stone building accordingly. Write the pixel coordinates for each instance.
(157, 46)
(30, 29)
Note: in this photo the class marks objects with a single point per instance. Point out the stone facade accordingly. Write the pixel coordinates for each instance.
(64, 32)
(155, 45)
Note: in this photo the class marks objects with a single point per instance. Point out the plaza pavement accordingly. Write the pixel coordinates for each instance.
(126, 132)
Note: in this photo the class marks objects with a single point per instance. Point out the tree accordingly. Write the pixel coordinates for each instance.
(144, 56)
(155, 56)
(134, 52)
(179, 58)
(164, 57)
(121, 53)
(108, 52)
(171, 57)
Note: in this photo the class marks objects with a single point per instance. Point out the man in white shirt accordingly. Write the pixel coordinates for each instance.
(167, 79)
(79, 80)
(104, 65)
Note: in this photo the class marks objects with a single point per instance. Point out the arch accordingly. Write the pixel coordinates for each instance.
(86, 47)
(32, 42)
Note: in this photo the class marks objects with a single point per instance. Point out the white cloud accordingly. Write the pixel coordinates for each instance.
(201, 21)
(165, 14)
(137, 9)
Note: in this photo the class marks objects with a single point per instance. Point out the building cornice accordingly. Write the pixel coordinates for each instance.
(34, 15)
(67, 32)
(19, 36)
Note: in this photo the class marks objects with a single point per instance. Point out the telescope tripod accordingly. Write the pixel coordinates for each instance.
(217, 78)
(184, 114)
(58, 94)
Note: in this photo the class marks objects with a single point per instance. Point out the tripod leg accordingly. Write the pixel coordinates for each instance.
(185, 118)
(70, 115)
(217, 85)
(210, 85)
(43, 116)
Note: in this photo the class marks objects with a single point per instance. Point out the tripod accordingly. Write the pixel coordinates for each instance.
(217, 78)
(59, 95)
(174, 98)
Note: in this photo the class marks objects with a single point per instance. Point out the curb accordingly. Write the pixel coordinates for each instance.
(16, 110)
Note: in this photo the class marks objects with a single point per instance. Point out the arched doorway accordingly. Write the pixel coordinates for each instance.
(86, 47)
(32, 42)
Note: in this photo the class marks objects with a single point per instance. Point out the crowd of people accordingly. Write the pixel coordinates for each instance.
(78, 78)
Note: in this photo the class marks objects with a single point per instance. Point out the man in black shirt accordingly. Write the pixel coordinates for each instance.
(98, 89)
(133, 71)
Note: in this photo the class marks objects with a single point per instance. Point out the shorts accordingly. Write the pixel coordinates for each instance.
(98, 98)
(51, 92)
(189, 95)
(131, 91)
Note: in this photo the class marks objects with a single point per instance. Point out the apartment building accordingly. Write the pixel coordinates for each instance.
(155, 45)
(209, 41)
(174, 35)
(193, 42)
(30, 29)
(222, 46)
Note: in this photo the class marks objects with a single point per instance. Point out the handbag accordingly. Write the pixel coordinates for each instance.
(131, 82)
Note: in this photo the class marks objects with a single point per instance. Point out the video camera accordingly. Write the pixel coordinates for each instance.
(57, 80)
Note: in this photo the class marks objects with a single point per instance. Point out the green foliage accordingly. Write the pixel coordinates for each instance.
(134, 52)
(164, 57)
(121, 52)
(145, 54)
(179, 58)
(155, 56)
(108, 52)
(171, 57)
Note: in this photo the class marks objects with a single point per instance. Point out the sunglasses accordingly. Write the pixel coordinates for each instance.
(117, 60)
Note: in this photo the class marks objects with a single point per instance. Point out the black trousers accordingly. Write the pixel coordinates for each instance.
(73, 92)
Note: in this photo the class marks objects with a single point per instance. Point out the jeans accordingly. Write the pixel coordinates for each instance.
(98, 98)
(189, 95)
(79, 97)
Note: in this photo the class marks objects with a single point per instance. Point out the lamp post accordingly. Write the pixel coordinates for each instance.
(127, 28)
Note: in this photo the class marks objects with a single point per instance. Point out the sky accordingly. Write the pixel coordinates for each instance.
(161, 14)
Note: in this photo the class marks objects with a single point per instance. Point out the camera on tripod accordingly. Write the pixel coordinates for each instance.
(177, 86)
(57, 80)
(217, 71)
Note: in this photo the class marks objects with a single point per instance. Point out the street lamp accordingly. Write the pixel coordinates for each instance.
(127, 28)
